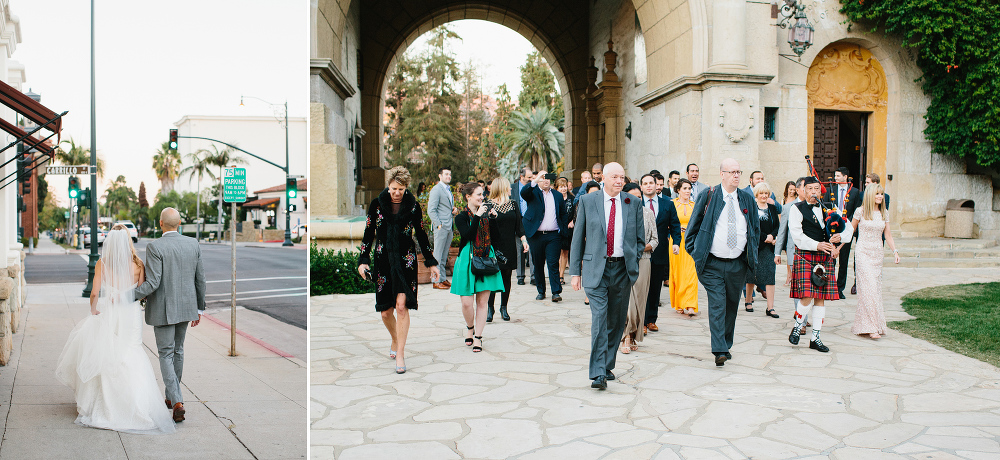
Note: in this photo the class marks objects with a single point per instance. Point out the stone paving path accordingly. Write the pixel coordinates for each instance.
(527, 395)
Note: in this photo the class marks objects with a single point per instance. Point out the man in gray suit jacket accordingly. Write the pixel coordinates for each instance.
(607, 241)
(175, 296)
(722, 237)
(441, 209)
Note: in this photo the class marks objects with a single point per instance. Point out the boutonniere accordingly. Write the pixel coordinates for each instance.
(627, 201)
(744, 211)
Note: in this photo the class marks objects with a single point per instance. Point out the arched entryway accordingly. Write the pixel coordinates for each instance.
(847, 111)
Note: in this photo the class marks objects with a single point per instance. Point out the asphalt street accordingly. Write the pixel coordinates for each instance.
(270, 280)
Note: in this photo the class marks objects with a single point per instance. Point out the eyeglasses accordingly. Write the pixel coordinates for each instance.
(735, 173)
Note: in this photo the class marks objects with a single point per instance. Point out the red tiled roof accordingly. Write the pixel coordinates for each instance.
(302, 183)
(261, 203)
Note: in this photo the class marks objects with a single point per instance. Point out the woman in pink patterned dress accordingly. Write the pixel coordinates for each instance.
(871, 222)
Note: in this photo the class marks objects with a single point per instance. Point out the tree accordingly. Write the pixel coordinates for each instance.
(222, 158)
(474, 116)
(424, 130)
(167, 165)
(535, 139)
(142, 216)
(52, 217)
(538, 88)
(120, 199)
(185, 204)
(200, 166)
(493, 144)
(77, 155)
(42, 194)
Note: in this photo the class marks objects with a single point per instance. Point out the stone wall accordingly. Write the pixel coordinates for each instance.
(12, 297)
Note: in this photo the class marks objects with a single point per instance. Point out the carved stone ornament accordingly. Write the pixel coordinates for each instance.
(736, 117)
(847, 78)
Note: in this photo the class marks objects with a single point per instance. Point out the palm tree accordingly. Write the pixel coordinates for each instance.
(223, 158)
(166, 164)
(120, 198)
(535, 140)
(200, 166)
(77, 155)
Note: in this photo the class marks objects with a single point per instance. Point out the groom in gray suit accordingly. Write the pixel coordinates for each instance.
(722, 239)
(607, 242)
(175, 292)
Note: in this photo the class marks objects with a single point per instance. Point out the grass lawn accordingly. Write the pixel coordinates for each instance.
(964, 318)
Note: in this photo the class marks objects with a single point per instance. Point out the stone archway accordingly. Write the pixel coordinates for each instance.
(846, 77)
(387, 32)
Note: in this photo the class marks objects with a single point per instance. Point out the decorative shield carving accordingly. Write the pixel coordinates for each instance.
(736, 117)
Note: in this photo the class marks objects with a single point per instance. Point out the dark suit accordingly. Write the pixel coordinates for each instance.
(667, 228)
(523, 259)
(852, 201)
(544, 245)
(723, 279)
(608, 283)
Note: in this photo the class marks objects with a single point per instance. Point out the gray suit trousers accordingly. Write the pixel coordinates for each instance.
(442, 243)
(170, 347)
(608, 312)
(723, 280)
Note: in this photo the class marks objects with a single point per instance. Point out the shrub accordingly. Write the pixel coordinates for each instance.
(335, 272)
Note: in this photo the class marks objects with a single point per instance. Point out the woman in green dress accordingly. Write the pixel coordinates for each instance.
(475, 225)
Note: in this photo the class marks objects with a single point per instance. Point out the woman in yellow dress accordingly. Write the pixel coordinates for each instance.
(683, 278)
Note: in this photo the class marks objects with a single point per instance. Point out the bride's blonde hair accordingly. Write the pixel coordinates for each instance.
(131, 247)
(868, 205)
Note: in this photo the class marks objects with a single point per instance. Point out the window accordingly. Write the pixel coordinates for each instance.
(770, 123)
(639, 49)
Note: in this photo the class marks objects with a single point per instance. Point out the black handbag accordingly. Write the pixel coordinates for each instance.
(484, 266)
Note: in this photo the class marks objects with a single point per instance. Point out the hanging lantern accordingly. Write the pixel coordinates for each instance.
(800, 35)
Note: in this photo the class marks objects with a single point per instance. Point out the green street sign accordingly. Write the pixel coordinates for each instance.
(66, 214)
(234, 185)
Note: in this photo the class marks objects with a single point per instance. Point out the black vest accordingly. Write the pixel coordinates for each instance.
(810, 224)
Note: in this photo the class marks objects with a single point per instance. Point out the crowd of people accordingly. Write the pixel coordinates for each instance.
(622, 241)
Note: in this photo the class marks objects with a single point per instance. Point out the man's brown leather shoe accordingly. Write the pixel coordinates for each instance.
(446, 283)
(645, 330)
(652, 327)
(440, 286)
(169, 406)
(178, 412)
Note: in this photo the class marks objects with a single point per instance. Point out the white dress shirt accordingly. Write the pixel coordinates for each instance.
(841, 195)
(549, 222)
(804, 242)
(720, 241)
(656, 204)
(619, 224)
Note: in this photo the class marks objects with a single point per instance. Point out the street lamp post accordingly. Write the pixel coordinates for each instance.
(288, 202)
(92, 263)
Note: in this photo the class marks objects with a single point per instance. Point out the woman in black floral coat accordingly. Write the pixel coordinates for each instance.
(393, 218)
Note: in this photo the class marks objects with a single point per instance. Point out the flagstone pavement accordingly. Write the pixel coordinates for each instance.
(527, 395)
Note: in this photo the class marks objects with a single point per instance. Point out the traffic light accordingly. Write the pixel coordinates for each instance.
(74, 187)
(173, 139)
(84, 198)
(26, 187)
(292, 208)
(291, 187)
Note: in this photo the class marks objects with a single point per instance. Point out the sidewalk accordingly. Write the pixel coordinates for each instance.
(247, 407)
(527, 396)
(45, 245)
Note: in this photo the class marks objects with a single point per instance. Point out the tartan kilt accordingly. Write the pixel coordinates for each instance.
(802, 286)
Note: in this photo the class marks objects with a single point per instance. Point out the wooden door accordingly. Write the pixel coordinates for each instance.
(826, 140)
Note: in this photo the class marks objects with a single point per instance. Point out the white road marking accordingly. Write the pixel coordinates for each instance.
(260, 279)
(241, 299)
(258, 292)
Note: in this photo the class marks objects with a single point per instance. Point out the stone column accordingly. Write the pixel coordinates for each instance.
(609, 98)
(729, 32)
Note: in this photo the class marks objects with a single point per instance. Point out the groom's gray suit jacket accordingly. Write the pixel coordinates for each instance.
(175, 280)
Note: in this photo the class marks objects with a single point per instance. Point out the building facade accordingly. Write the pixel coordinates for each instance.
(659, 84)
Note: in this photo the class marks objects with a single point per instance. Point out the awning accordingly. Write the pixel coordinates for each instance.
(263, 203)
(31, 109)
(30, 142)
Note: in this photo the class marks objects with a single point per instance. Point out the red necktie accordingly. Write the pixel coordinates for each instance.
(611, 229)
(651, 205)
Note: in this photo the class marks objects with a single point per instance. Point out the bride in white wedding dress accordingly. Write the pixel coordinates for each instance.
(103, 360)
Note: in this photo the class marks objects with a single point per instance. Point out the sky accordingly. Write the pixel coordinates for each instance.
(156, 62)
(498, 50)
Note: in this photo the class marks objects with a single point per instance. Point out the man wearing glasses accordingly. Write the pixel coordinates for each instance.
(722, 237)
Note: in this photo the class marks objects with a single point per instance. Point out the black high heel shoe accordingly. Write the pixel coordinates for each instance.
(771, 313)
(503, 313)
(489, 313)
(748, 306)
(478, 348)
(468, 340)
